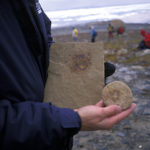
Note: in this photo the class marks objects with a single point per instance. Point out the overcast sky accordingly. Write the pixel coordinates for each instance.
(71, 4)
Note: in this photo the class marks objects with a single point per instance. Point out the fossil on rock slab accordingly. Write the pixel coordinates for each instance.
(75, 74)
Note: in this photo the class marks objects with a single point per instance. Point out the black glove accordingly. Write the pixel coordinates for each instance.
(109, 69)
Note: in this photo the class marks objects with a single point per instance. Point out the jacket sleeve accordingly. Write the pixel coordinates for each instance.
(36, 125)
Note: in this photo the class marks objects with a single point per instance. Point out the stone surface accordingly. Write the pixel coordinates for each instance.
(117, 93)
(76, 74)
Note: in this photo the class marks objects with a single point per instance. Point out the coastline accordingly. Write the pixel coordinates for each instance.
(132, 32)
(99, 26)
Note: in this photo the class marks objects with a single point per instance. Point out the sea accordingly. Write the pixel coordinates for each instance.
(70, 14)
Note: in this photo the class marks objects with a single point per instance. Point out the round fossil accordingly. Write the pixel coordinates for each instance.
(117, 93)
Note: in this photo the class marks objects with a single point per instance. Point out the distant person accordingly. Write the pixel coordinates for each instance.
(75, 34)
(143, 32)
(120, 31)
(110, 31)
(145, 43)
(93, 34)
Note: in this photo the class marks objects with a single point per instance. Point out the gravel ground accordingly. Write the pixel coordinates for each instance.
(132, 133)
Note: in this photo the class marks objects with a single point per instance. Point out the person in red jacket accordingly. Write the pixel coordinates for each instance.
(147, 40)
(145, 43)
(120, 30)
(143, 32)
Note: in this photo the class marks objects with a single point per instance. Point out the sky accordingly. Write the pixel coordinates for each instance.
(49, 5)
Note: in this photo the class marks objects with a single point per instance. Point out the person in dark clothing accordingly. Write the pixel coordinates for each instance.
(25, 121)
(93, 34)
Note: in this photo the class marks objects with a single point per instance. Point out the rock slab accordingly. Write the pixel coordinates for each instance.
(75, 74)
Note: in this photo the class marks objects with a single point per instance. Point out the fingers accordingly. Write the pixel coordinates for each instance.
(111, 111)
(124, 114)
(100, 104)
(76, 110)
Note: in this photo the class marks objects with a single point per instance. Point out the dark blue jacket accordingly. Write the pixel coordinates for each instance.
(25, 122)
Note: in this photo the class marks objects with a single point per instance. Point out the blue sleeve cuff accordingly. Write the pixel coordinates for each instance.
(70, 120)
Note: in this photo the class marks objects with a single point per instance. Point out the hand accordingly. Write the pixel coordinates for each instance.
(97, 117)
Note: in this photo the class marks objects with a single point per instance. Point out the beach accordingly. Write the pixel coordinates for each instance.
(133, 68)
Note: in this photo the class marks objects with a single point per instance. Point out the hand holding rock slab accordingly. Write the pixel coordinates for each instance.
(117, 93)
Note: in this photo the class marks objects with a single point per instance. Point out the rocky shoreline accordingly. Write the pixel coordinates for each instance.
(132, 133)
(133, 68)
